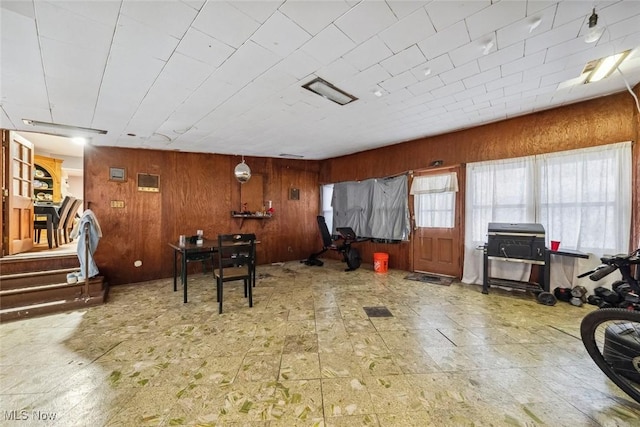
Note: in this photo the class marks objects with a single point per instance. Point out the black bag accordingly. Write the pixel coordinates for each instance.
(563, 294)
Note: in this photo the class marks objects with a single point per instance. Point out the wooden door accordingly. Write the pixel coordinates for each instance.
(439, 249)
(17, 193)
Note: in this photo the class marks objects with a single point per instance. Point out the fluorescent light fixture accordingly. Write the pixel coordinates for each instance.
(329, 91)
(58, 126)
(603, 67)
(291, 156)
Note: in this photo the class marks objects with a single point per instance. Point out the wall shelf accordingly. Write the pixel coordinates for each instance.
(242, 217)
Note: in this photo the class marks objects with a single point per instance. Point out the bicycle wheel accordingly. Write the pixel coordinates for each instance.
(612, 339)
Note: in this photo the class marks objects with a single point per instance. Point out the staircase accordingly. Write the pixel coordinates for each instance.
(35, 286)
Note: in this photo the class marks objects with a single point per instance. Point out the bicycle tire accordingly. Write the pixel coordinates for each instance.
(618, 361)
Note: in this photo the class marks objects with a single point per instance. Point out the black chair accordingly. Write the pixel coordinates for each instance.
(236, 261)
(57, 221)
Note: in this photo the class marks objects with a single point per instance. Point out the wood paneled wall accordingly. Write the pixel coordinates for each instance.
(600, 121)
(197, 191)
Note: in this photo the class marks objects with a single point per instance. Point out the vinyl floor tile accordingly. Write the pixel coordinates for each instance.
(307, 354)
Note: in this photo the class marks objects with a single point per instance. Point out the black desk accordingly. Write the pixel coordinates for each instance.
(192, 252)
(189, 252)
(545, 267)
(51, 213)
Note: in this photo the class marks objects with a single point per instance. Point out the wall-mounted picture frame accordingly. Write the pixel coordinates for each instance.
(294, 194)
(117, 174)
(148, 183)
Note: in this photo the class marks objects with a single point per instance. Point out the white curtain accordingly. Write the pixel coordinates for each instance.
(434, 200)
(496, 191)
(581, 197)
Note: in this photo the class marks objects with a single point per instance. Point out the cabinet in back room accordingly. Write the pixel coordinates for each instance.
(47, 179)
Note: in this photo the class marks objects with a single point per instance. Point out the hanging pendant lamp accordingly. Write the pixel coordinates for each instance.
(242, 172)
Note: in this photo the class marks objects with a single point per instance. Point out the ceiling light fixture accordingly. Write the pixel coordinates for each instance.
(69, 128)
(242, 172)
(595, 31)
(291, 156)
(603, 67)
(329, 91)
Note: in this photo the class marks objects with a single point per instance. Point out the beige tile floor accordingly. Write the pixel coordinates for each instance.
(307, 354)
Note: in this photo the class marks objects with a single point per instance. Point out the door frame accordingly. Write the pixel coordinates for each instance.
(460, 169)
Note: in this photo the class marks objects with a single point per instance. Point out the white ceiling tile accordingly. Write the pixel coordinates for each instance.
(202, 47)
(56, 23)
(560, 76)
(448, 91)
(186, 72)
(502, 56)
(522, 29)
(369, 77)
(446, 13)
(173, 18)
(337, 71)
(105, 12)
(425, 86)
(474, 92)
(503, 82)
(299, 64)
(365, 20)
(551, 38)
(314, 16)
(621, 28)
(408, 31)
(328, 45)
(218, 89)
(258, 10)
(225, 23)
(473, 50)
(280, 35)
(434, 67)
(402, 8)
(460, 73)
(444, 41)
(246, 64)
(481, 78)
(496, 16)
(403, 61)
(80, 64)
(368, 53)
(144, 40)
(525, 63)
(398, 82)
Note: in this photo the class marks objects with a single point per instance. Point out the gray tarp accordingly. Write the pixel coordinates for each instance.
(376, 208)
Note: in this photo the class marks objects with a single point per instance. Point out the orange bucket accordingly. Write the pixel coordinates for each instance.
(380, 262)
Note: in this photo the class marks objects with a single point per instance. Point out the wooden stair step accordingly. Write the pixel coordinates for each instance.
(39, 294)
(34, 278)
(56, 306)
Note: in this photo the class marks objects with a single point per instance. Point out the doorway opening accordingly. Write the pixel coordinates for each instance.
(57, 173)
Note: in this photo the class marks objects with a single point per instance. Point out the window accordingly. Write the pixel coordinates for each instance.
(581, 197)
(434, 200)
(326, 193)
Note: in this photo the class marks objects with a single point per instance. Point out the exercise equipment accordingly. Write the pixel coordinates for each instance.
(350, 255)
